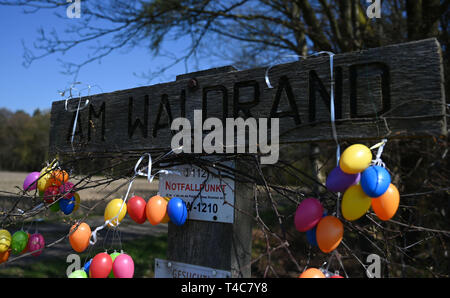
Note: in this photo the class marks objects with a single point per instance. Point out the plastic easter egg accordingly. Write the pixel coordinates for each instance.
(312, 273)
(67, 189)
(355, 203)
(5, 240)
(19, 242)
(336, 276)
(54, 207)
(76, 196)
(355, 159)
(136, 209)
(156, 209)
(166, 218)
(338, 181)
(26, 246)
(386, 205)
(78, 274)
(101, 265)
(112, 210)
(123, 266)
(58, 177)
(87, 265)
(43, 182)
(30, 181)
(67, 206)
(79, 239)
(51, 194)
(329, 233)
(311, 234)
(36, 244)
(375, 181)
(176, 208)
(308, 214)
(4, 256)
(113, 256)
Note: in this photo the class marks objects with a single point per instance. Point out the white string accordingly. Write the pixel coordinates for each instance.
(137, 172)
(79, 108)
(377, 161)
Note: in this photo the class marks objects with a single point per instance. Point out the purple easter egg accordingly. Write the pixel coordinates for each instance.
(30, 181)
(338, 181)
(36, 243)
(308, 214)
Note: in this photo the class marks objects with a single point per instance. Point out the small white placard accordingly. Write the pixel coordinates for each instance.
(169, 269)
(208, 197)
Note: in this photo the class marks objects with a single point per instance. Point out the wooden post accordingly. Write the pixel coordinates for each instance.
(225, 246)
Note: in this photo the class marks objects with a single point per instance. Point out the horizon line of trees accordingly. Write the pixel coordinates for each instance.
(23, 139)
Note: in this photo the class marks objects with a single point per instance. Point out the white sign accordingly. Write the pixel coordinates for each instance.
(169, 269)
(208, 196)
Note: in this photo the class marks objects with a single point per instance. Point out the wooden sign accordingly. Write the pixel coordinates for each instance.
(207, 196)
(393, 91)
(170, 269)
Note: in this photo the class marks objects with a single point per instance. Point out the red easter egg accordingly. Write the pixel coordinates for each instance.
(136, 209)
(51, 194)
(101, 265)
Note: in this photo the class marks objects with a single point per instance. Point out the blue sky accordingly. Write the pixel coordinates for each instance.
(37, 86)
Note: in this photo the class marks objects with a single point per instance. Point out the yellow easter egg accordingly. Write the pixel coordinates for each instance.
(44, 180)
(355, 159)
(5, 240)
(112, 210)
(355, 203)
(77, 201)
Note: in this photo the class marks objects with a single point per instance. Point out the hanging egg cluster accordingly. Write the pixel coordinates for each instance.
(323, 230)
(103, 265)
(157, 210)
(19, 243)
(53, 185)
(364, 185)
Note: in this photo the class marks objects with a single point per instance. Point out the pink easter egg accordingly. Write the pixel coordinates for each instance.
(123, 266)
(67, 189)
(308, 214)
(36, 242)
(30, 181)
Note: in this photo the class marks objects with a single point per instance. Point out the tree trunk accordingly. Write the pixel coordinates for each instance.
(414, 18)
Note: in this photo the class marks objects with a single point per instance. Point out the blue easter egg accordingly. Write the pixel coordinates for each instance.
(87, 266)
(311, 234)
(67, 205)
(375, 180)
(176, 208)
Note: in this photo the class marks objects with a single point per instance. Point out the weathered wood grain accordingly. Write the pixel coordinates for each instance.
(225, 246)
(392, 91)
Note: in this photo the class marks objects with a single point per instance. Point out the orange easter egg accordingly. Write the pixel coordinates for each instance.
(156, 209)
(329, 233)
(312, 273)
(79, 240)
(386, 205)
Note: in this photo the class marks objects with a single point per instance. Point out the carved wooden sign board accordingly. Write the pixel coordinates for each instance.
(394, 91)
